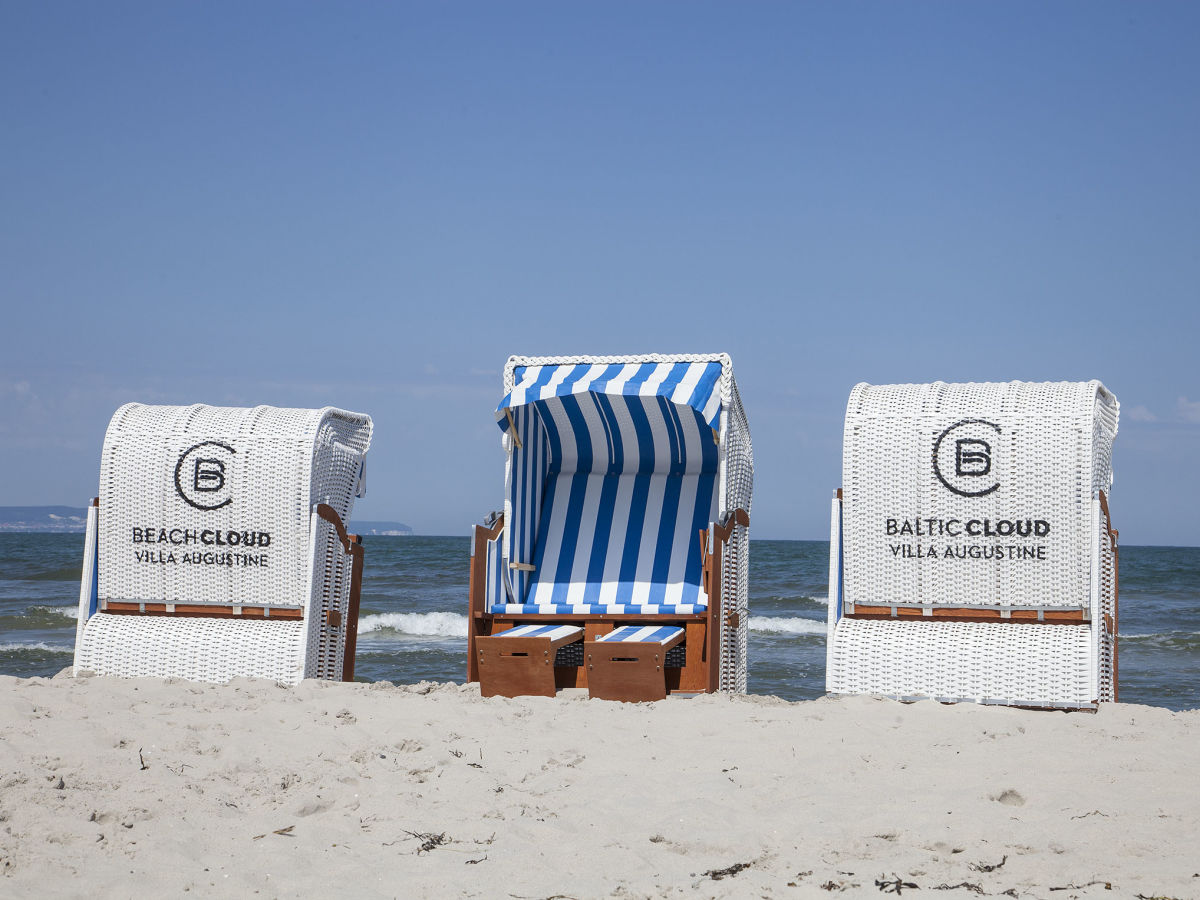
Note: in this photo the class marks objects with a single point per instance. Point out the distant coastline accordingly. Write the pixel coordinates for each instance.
(380, 528)
(65, 519)
(73, 520)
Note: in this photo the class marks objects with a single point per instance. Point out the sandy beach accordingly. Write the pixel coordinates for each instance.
(114, 788)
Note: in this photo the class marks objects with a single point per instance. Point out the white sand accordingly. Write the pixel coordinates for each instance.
(144, 788)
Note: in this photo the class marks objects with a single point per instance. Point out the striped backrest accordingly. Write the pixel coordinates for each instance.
(611, 486)
(625, 435)
(622, 543)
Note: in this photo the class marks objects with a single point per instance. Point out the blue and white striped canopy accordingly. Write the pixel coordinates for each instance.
(694, 384)
(613, 472)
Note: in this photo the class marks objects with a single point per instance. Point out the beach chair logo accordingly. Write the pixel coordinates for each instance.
(963, 457)
(972, 457)
(202, 475)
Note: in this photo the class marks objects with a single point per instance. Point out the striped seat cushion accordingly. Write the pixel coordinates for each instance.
(620, 544)
(553, 632)
(642, 634)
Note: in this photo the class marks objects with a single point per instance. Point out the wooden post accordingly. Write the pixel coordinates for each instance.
(477, 591)
(1113, 535)
(721, 535)
(357, 554)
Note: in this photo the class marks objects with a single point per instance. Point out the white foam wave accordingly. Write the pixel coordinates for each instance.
(430, 624)
(40, 645)
(788, 600)
(67, 612)
(1163, 637)
(788, 625)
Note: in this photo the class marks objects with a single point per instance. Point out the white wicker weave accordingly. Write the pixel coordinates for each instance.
(214, 506)
(192, 647)
(975, 499)
(737, 479)
(989, 662)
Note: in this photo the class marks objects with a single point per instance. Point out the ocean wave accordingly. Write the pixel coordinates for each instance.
(67, 612)
(40, 645)
(430, 624)
(788, 601)
(446, 624)
(1168, 640)
(35, 618)
(66, 573)
(788, 625)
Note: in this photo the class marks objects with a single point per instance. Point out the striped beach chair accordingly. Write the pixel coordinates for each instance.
(218, 548)
(628, 490)
(972, 556)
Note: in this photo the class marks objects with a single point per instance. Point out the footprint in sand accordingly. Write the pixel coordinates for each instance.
(1009, 798)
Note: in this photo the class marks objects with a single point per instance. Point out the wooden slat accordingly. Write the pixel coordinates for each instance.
(693, 678)
(214, 610)
(712, 635)
(962, 614)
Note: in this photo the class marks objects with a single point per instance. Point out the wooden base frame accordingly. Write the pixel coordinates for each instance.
(627, 670)
(702, 631)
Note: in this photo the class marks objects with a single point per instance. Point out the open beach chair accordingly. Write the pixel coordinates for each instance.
(218, 548)
(619, 562)
(972, 556)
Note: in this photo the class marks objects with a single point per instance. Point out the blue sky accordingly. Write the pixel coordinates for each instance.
(373, 205)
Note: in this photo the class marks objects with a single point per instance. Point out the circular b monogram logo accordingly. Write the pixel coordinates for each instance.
(202, 475)
(964, 457)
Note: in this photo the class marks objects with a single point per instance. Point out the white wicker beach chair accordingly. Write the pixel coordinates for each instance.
(971, 554)
(217, 547)
(628, 490)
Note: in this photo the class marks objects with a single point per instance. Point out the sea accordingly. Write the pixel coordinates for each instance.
(413, 623)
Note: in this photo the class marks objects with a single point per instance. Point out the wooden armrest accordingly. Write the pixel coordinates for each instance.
(329, 514)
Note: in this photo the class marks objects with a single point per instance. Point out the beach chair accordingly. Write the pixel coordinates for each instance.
(218, 548)
(972, 556)
(619, 562)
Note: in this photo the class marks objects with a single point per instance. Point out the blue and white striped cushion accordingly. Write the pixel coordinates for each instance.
(642, 634)
(553, 632)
